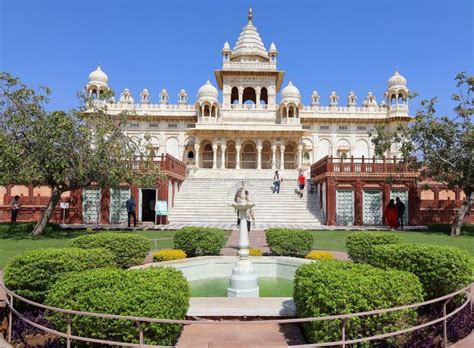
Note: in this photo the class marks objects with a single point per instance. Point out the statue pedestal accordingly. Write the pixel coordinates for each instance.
(243, 281)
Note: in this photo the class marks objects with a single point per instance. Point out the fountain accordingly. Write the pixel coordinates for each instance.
(243, 280)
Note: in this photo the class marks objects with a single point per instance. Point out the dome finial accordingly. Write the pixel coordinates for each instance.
(250, 15)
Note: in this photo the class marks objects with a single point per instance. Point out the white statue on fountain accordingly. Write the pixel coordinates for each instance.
(243, 281)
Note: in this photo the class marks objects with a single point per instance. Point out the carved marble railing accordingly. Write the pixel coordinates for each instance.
(249, 107)
(249, 66)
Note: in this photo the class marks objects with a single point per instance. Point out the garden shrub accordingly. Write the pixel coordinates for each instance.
(156, 292)
(341, 287)
(359, 244)
(320, 255)
(255, 252)
(289, 242)
(199, 241)
(168, 255)
(32, 273)
(441, 269)
(128, 249)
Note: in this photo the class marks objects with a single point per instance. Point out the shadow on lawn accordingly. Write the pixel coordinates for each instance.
(22, 230)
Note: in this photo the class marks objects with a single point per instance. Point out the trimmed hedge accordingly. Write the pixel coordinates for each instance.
(168, 255)
(319, 255)
(199, 241)
(339, 287)
(359, 244)
(289, 242)
(128, 249)
(32, 273)
(157, 292)
(441, 269)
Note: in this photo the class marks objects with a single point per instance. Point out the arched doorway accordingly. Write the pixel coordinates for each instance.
(207, 156)
(249, 156)
(266, 155)
(290, 157)
(231, 156)
(249, 96)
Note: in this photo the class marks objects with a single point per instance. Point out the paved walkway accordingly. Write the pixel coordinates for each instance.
(231, 226)
(260, 334)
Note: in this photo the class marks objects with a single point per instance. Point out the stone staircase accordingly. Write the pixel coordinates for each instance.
(206, 201)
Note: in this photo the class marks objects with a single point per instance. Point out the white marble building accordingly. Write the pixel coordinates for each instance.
(255, 124)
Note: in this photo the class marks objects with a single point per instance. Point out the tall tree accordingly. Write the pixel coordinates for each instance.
(64, 150)
(442, 145)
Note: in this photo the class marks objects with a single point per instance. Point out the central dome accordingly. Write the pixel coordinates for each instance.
(249, 42)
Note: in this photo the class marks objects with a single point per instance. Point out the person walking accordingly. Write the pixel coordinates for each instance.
(301, 183)
(391, 212)
(131, 211)
(400, 211)
(276, 182)
(249, 214)
(15, 207)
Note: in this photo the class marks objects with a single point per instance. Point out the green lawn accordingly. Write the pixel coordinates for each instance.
(15, 239)
(336, 240)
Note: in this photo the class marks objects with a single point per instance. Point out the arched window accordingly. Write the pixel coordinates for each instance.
(291, 112)
(191, 155)
(249, 157)
(249, 96)
(290, 157)
(393, 99)
(207, 156)
(234, 96)
(207, 111)
(264, 96)
(400, 99)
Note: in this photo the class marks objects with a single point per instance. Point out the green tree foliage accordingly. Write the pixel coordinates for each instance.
(443, 145)
(63, 150)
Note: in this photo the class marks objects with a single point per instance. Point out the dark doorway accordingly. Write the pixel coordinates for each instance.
(148, 205)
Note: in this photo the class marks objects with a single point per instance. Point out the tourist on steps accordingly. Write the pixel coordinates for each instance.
(391, 212)
(130, 204)
(301, 182)
(276, 182)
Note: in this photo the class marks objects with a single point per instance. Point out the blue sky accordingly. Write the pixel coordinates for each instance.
(323, 45)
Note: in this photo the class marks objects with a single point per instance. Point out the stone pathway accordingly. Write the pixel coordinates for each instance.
(231, 226)
(260, 334)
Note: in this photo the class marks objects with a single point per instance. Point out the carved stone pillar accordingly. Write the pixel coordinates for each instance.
(223, 148)
(257, 94)
(300, 156)
(237, 156)
(214, 156)
(358, 211)
(330, 202)
(241, 95)
(259, 156)
(282, 157)
(196, 156)
(274, 149)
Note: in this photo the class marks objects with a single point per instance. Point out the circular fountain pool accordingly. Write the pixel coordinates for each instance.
(209, 275)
